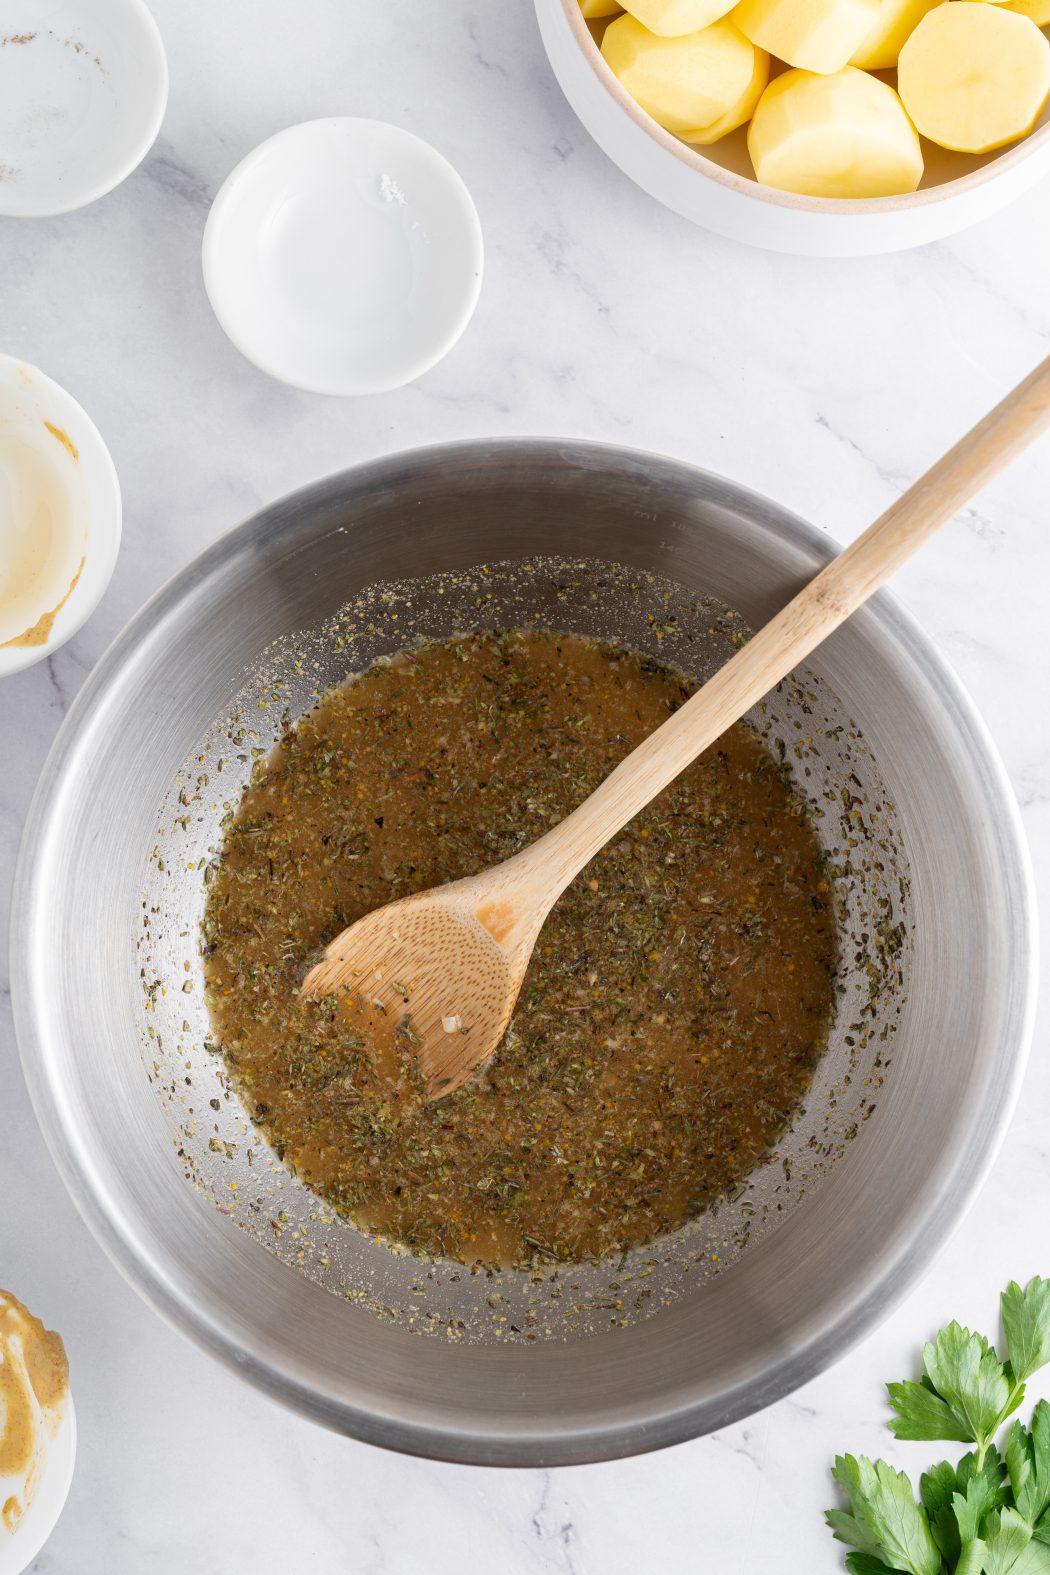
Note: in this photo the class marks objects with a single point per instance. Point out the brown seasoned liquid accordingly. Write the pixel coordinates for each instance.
(677, 1002)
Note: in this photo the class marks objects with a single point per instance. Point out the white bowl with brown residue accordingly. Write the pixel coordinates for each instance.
(60, 516)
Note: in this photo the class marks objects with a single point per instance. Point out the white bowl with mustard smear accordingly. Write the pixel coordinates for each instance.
(38, 1434)
(715, 186)
(60, 516)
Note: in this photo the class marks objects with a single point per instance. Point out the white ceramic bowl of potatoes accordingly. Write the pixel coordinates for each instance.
(823, 127)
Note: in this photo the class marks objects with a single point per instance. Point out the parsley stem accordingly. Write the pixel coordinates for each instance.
(983, 1444)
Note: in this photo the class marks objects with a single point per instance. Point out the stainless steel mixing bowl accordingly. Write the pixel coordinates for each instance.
(567, 1364)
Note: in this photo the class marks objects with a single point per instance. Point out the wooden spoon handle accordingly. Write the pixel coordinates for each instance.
(792, 634)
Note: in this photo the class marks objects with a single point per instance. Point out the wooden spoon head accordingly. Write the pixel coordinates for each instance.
(435, 973)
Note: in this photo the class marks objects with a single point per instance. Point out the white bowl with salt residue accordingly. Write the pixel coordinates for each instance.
(83, 89)
(343, 256)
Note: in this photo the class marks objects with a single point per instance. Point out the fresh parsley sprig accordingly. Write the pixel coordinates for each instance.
(988, 1515)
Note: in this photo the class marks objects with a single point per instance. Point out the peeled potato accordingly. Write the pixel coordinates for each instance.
(840, 135)
(974, 76)
(897, 20)
(817, 35)
(681, 82)
(1037, 11)
(594, 10)
(741, 112)
(672, 18)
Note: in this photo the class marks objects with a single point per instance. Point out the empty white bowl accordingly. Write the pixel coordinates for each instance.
(343, 256)
(60, 515)
(716, 188)
(83, 88)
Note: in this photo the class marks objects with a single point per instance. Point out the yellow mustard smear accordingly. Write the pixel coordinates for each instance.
(34, 1384)
(43, 522)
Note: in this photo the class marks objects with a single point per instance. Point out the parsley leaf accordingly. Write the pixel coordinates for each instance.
(1028, 1462)
(922, 1414)
(1018, 1461)
(851, 1526)
(940, 1486)
(1026, 1324)
(848, 1529)
(937, 1488)
(1035, 1560)
(990, 1513)
(1007, 1537)
(971, 1559)
(992, 1467)
(972, 1506)
(966, 1372)
(883, 1509)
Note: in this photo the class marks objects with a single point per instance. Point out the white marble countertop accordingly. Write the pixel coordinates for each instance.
(827, 385)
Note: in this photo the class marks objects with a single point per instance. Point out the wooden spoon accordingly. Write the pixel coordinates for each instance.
(451, 960)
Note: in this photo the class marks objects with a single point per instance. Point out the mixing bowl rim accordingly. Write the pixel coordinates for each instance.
(538, 1447)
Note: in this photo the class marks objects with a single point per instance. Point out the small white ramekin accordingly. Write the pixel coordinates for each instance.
(343, 256)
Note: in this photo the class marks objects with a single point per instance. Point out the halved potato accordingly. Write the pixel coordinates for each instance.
(594, 10)
(681, 82)
(817, 35)
(835, 135)
(672, 18)
(974, 76)
(897, 20)
(741, 112)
